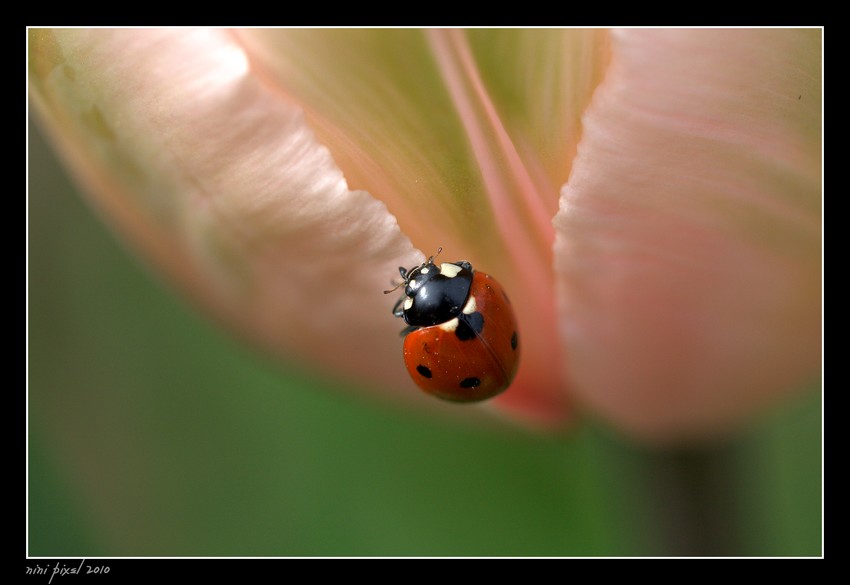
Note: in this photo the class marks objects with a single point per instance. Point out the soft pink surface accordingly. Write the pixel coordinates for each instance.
(689, 244)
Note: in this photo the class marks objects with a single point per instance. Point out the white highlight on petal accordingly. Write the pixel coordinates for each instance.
(232, 62)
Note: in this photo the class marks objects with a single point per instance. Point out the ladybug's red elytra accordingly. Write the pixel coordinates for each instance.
(461, 341)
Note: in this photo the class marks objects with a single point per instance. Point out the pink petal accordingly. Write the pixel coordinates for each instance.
(688, 249)
(222, 184)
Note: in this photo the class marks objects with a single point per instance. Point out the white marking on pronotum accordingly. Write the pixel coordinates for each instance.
(449, 326)
(408, 302)
(470, 306)
(424, 271)
(449, 270)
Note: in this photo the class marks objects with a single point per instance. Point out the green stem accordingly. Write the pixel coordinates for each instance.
(695, 497)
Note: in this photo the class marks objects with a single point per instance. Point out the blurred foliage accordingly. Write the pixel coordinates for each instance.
(151, 432)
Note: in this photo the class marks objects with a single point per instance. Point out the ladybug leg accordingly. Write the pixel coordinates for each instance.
(408, 329)
(398, 311)
(404, 279)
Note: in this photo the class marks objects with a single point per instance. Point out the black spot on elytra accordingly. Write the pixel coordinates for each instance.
(514, 341)
(423, 371)
(470, 382)
(469, 326)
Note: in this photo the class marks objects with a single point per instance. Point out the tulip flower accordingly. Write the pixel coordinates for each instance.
(649, 198)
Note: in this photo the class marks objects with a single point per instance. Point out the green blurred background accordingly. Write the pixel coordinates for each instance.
(151, 432)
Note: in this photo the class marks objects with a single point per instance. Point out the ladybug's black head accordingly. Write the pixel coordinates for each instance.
(419, 276)
(409, 275)
(435, 294)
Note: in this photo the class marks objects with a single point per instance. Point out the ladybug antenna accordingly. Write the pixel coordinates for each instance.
(431, 258)
(404, 273)
(386, 292)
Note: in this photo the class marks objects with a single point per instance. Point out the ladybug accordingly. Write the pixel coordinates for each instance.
(461, 341)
